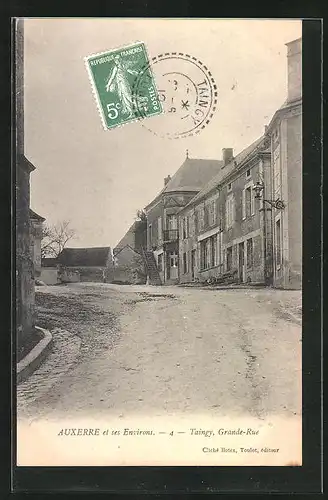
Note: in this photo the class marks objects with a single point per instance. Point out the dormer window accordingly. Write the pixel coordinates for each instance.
(248, 173)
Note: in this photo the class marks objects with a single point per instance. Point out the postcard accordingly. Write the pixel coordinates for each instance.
(159, 242)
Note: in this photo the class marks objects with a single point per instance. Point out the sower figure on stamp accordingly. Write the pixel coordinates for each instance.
(118, 82)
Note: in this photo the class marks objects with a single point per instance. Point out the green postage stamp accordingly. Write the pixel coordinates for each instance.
(123, 85)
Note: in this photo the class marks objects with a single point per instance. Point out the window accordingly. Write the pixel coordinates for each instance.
(171, 232)
(150, 234)
(276, 174)
(229, 211)
(208, 252)
(160, 228)
(192, 224)
(229, 186)
(203, 254)
(185, 227)
(160, 262)
(248, 202)
(201, 218)
(211, 213)
(172, 222)
(278, 243)
(173, 259)
(185, 263)
(229, 259)
(213, 240)
(248, 173)
(250, 253)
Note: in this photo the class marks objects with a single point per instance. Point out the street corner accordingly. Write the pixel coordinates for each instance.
(65, 349)
(37, 355)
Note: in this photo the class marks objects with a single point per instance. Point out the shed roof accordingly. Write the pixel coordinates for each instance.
(84, 257)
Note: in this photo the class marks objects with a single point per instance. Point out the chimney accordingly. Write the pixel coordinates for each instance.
(167, 179)
(294, 63)
(227, 155)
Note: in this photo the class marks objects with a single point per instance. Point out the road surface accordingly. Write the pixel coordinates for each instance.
(165, 350)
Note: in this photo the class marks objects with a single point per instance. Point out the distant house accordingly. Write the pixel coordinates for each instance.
(128, 261)
(92, 264)
(36, 223)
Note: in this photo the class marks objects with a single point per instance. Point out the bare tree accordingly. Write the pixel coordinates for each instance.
(55, 237)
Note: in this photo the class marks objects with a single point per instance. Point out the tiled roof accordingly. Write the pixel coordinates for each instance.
(193, 174)
(84, 257)
(35, 216)
(225, 171)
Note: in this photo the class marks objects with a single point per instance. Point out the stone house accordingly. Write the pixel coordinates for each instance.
(247, 221)
(23, 167)
(239, 219)
(223, 229)
(93, 264)
(162, 213)
(128, 260)
(285, 133)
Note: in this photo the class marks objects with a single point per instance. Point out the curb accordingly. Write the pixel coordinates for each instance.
(35, 357)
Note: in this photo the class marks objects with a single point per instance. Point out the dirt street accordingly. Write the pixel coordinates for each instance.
(162, 350)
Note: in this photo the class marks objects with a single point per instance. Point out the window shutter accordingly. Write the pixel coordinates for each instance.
(159, 229)
(233, 209)
(212, 221)
(244, 204)
(252, 201)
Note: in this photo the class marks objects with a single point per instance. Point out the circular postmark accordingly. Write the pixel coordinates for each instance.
(187, 92)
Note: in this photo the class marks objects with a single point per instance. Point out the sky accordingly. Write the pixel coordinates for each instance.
(97, 179)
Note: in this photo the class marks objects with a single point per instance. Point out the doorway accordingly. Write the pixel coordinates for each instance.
(193, 263)
(172, 265)
(241, 262)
